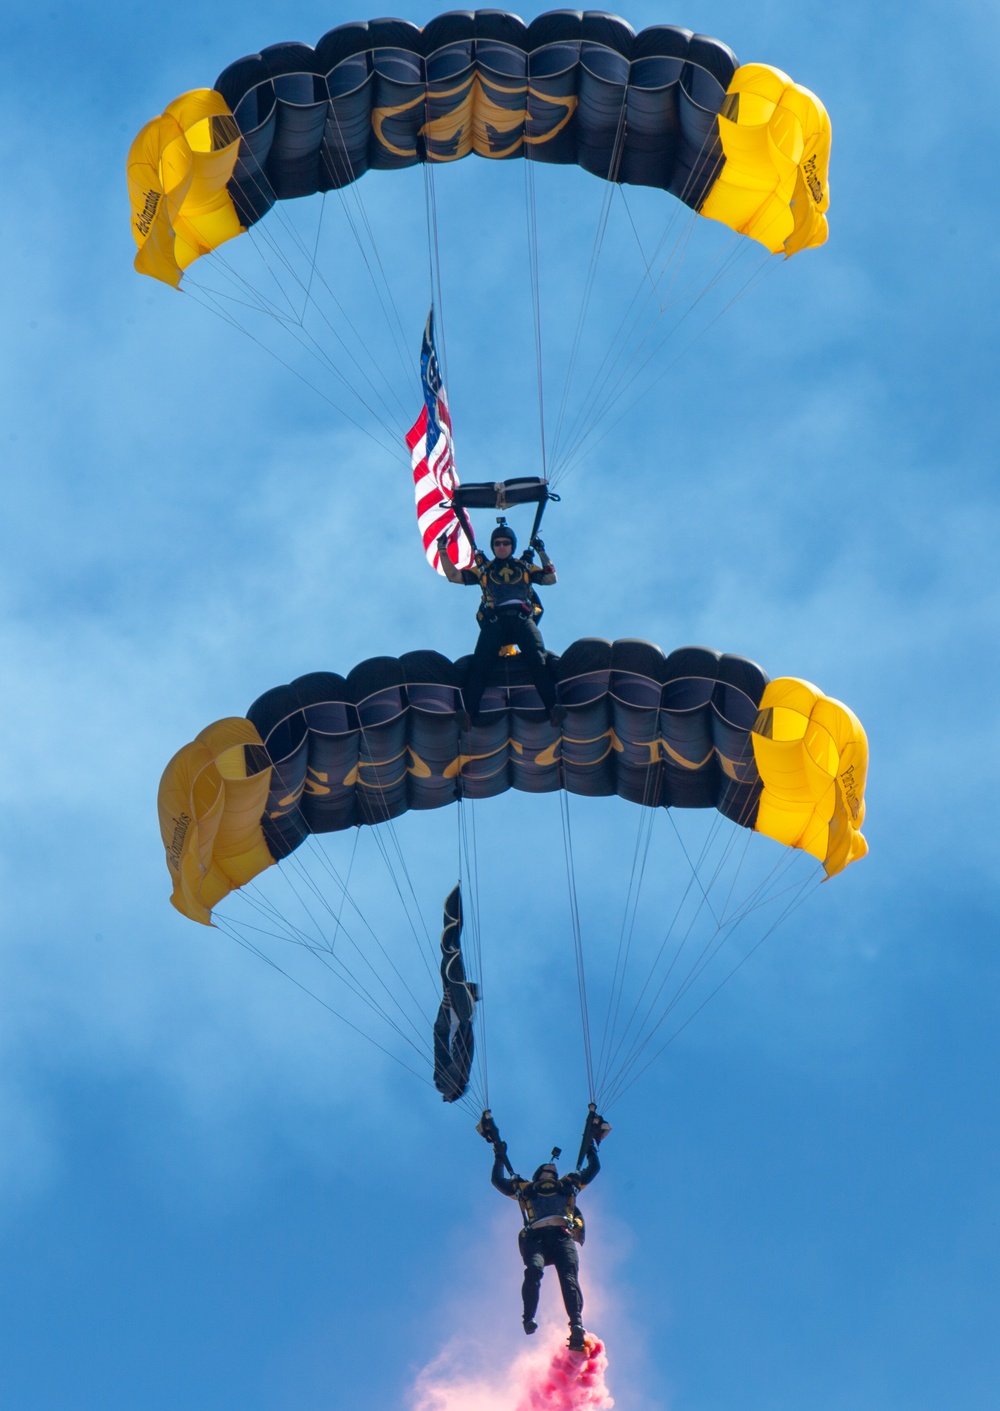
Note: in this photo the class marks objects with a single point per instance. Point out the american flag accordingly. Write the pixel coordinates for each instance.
(433, 459)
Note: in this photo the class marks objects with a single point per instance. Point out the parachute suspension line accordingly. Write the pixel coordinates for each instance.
(427, 949)
(324, 952)
(434, 260)
(435, 256)
(605, 391)
(420, 1042)
(315, 256)
(268, 960)
(612, 353)
(597, 407)
(644, 833)
(311, 344)
(614, 167)
(695, 882)
(574, 910)
(651, 798)
(388, 418)
(291, 933)
(616, 347)
(410, 907)
(261, 233)
(755, 277)
(468, 870)
(618, 976)
(607, 198)
(345, 183)
(724, 929)
(261, 237)
(209, 301)
(531, 214)
(653, 291)
(373, 365)
(317, 892)
(640, 854)
(320, 855)
(479, 943)
(613, 1049)
(800, 894)
(433, 241)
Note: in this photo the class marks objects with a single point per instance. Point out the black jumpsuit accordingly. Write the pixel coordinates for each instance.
(507, 621)
(552, 1202)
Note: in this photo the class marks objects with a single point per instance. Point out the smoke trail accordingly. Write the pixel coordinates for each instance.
(571, 1382)
(549, 1378)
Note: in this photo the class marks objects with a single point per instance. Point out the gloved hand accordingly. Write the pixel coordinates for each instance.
(500, 1149)
(601, 1128)
(537, 543)
(442, 543)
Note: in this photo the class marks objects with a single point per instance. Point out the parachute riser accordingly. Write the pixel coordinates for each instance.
(501, 495)
(463, 520)
(539, 511)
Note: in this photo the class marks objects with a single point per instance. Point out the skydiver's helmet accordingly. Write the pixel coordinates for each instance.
(504, 531)
(547, 1172)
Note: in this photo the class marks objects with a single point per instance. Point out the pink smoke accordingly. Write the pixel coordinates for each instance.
(547, 1378)
(570, 1382)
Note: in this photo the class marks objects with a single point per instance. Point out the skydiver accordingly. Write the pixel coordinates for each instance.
(506, 614)
(553, 1226)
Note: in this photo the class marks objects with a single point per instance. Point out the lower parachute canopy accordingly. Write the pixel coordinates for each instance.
(692, 729)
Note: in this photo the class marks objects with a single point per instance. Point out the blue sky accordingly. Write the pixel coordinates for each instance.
(211, 1194)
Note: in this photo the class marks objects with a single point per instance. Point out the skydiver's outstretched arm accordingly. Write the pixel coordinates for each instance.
(590, 1167)
(453, 574)
(506, 1185)
(549, 577)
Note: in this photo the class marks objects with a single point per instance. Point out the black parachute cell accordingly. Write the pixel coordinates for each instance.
(573, 87)
(663, 731)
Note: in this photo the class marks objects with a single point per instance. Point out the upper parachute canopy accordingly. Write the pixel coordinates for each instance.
(694, 729)
(663, 108)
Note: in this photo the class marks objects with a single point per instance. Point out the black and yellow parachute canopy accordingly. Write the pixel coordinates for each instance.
(692, 729)
(666, 108)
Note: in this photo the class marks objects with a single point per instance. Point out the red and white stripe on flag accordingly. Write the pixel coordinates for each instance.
(434, 481)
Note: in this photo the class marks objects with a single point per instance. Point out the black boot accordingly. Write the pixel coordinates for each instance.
(529, 1325)
(577, 1336)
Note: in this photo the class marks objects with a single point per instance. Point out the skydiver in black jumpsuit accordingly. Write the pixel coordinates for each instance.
(506, 615)
(552, 1228)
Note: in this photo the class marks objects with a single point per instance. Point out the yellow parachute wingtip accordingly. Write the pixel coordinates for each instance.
(178, 170)
(210, 803)
(774, 184)
(812, 757)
